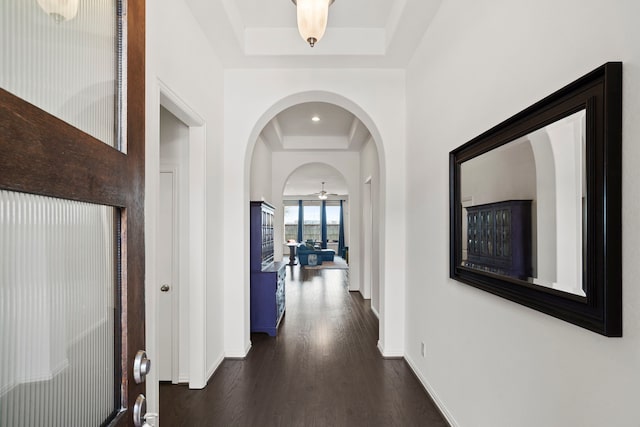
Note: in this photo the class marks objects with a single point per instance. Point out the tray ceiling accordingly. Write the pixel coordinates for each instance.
(360, 33)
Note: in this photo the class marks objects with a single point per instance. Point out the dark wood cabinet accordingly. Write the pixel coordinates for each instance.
(267, 275)
(499, 238)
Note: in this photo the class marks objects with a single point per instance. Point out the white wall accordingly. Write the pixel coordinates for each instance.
(261, 174)
(369, 168)
(180, 62)
(347, 164)
(507, 173)
(491, 362)
(252, 98)
(567, 139)
(546, 225)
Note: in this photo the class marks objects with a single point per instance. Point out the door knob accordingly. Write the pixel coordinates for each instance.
(141, 366)
(165, 288)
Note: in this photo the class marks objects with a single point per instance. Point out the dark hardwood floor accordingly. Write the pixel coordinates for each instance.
(323, 369)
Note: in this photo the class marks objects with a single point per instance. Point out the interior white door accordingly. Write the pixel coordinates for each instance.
(167, 284)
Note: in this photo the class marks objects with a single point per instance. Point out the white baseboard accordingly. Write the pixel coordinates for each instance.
(390, 354)
(213, 368)
(436, 399)
(238, 353)
(375, 312)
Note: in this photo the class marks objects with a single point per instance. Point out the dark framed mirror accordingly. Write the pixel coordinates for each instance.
(535, 205)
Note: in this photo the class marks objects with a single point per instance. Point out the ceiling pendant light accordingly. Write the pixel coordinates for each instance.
(60, 10)
(312, 19)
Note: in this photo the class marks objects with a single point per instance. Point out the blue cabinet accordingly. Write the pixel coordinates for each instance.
(268, 298)
(499, 238)
(267, 276)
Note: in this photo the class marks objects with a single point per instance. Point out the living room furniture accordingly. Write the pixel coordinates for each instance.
(267, 276)
(499, 237)
(292, 252)
(304, 250)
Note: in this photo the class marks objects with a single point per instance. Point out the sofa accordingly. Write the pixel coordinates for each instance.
(304, 250)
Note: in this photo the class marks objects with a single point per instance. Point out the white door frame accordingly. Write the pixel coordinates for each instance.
(367, 239)
(196, 234)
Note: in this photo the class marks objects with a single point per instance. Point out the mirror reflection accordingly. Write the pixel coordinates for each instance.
(523, 207)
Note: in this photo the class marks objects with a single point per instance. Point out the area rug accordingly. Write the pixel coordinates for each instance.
(337, 264)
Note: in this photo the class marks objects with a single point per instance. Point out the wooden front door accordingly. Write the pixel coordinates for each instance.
(71, 226)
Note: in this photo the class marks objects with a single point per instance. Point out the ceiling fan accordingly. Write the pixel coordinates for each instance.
(322, 195)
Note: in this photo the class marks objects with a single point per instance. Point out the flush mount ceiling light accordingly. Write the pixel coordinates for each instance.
(60, 10)
(312, 19)
(315, 119)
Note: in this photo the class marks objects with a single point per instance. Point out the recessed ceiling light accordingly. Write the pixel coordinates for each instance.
(315, 118)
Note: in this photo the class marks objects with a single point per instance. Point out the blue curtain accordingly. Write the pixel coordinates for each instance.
(300, 220)
(323, 224)
(341, 235)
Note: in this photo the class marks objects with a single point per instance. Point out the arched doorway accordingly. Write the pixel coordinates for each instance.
(248, 128)
(308, 145)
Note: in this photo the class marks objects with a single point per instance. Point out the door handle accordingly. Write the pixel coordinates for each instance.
(165, 288)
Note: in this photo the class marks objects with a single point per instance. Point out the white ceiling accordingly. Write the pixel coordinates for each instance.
(294, 129)
(360, 33)
(344, 13)
(307, 181)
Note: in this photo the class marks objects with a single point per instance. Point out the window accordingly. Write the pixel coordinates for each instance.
(333, 222)
(291, 222)
(311, 226)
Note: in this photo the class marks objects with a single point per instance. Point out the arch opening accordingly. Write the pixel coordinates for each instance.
(285, 163)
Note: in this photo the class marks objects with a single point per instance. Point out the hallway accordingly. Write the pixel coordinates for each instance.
(323, 369)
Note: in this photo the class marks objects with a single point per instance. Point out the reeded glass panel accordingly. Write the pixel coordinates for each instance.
(57, 305)
(63, 56)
